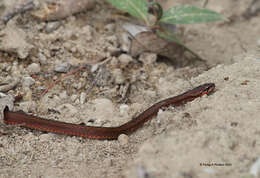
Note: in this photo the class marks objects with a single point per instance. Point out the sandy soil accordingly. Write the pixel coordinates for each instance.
(213, 136)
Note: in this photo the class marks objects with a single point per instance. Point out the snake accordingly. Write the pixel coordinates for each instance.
(22, 119)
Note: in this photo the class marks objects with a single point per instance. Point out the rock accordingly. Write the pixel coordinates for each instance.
(113, 50)
(51, 10)
(63, 68)
(13, 40)
(123, 139)
(124, 60)
(110, 27)
(34, 68)
(45, 137)
(63, 95)
(28, 81)
(73, 97)
(52, 26)
(88, 32)
(148, 58)
(118, 76)
(104, 109)
(68, 109)
(82, 98)
(254, 170)
(123, 109)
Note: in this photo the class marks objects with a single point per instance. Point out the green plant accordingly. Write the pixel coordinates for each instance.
(184, 14)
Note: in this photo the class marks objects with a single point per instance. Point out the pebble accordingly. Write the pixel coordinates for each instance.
(52, 26)
(14, 40)
(68, 108)
(63, 95)
(28, 81)
(123, 109)
(113, 50)
(112, 40)
(125, 42)
(148, 58)
(124, 60)
(123, 139)
(34, 68)
(82, 98)
(94, 68)
(25, 106)
(73, 97)
(110, 27)
(114, 62)
(254, 170)
(63, 68)
(45, 137)
(118, 76)
(104, 109)
(88, 32)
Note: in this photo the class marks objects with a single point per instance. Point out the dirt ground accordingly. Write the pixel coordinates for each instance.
(213, 136)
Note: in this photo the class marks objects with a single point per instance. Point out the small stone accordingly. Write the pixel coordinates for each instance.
(113, 50)
(123, 139)
(125, 42)
(82, 98)
(28, 81)
(110, 27)
(104, 109)
(28, 94)
(148, 58)
(63, 95)
(42, 58)
(124, 60)
(73, 97)
(94, 68)
(88, 32)
(34, 68)
(118, 76)
(255, 168)
(112, 40)
(25, 106)
(114, 62)
(63, 68)
(68, 108)
(52, 26)
(45, 137)
(123, 108)
(14, 40)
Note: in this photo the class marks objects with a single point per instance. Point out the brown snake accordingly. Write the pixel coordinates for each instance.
(29, 121)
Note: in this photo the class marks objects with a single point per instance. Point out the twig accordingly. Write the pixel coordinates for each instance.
(62, 77)
(71, 73)
(93, 83)
(23, 8)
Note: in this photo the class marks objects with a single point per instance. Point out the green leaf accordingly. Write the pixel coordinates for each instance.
(137, 8)
(167, 35)
(189, 15)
